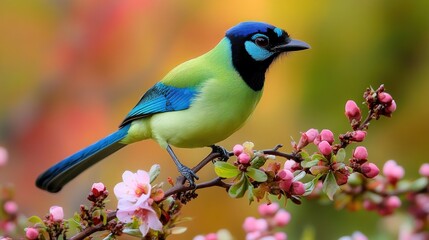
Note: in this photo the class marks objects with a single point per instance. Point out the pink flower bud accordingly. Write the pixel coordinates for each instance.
(369, 205)
(391, 107)
(280, 236)
(261, 224)
(392, 202)
(243, 158)
(311, 134)
(282, 218)
(298, 188)
(359, 236)
(424, 170)
(268, 209)
(98, 188)
(327, 135)
(238, 149)
(286, 177)
(10, 207)
(56, 213)
(369, 170)
(324, 148)
(352, 111)
(393, 171)
(289, 165)
(211, 236)
(31, 233)
(249, 224)
(384, 97)
(358, 136)
(360, 153)
(253, 235)
(3, 156)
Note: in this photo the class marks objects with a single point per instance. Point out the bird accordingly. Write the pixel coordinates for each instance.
(197, 104)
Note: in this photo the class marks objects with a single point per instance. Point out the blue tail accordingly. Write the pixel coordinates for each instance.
(53, 179)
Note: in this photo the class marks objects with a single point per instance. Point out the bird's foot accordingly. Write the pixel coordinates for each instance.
(222, 151)
(190, 175)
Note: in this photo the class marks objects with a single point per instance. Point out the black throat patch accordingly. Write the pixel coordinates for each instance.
(252, 71)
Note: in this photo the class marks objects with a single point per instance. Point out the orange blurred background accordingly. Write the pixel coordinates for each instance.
(71, 70)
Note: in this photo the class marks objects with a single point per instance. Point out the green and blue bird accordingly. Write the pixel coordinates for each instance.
(197, 104)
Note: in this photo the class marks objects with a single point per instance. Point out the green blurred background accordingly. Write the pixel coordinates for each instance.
(71, 70)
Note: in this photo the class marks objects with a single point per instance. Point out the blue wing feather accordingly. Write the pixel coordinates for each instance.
(161, 98)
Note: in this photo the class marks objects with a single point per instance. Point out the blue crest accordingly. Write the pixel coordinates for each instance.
(246, 28)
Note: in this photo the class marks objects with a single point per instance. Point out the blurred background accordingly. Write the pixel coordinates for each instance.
(71, 70)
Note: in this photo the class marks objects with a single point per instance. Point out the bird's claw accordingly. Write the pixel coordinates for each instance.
(222, 151)
(190, 175)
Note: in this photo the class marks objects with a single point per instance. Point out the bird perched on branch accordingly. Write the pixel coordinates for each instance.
(197, 104)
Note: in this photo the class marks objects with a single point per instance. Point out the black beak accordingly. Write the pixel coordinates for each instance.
(292, 45)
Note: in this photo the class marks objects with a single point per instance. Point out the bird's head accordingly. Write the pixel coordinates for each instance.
(254, 46)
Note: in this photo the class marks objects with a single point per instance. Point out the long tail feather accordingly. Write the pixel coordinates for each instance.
(53, 179)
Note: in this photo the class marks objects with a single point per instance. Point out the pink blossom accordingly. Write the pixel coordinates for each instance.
(359, 236)
(253, 235)
(311, 134)
(297, 188)
(243, 158)
(211, 236)
(358, 136)
(10, 207)
(252, 224)
(238, 149)
(392, 202)
(393, 171)
(268, 209)
(147, 217)
(280, 236)
(249, 224)
(286, 177)
(98, 188)
(282, 218)
(134, 201)
(56, 213)
(360, 153)
(327, 135)
(290, 165)
(325, 148)
(384, 97)
(369, 170)
(31, 233)
(392, 107)
(3, 156)
(135, 187)
(424, 170)
(352, 111)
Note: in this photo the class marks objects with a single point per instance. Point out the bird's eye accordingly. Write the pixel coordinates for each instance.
(262, 41)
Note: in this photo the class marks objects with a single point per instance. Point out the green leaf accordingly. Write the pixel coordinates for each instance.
(35, 220)
(319, 157)
(109, 237)
(330, 186)
(226, 170)
(309, 164)
(305, 156)
(299, 175)
(239, 188)
(133, 232)
(309, 186)
(178, 230)
(315, 170)
(154, 171)
(73, 225)
(419, 184)
(250, 194)
(256, 174)
(341, 155)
